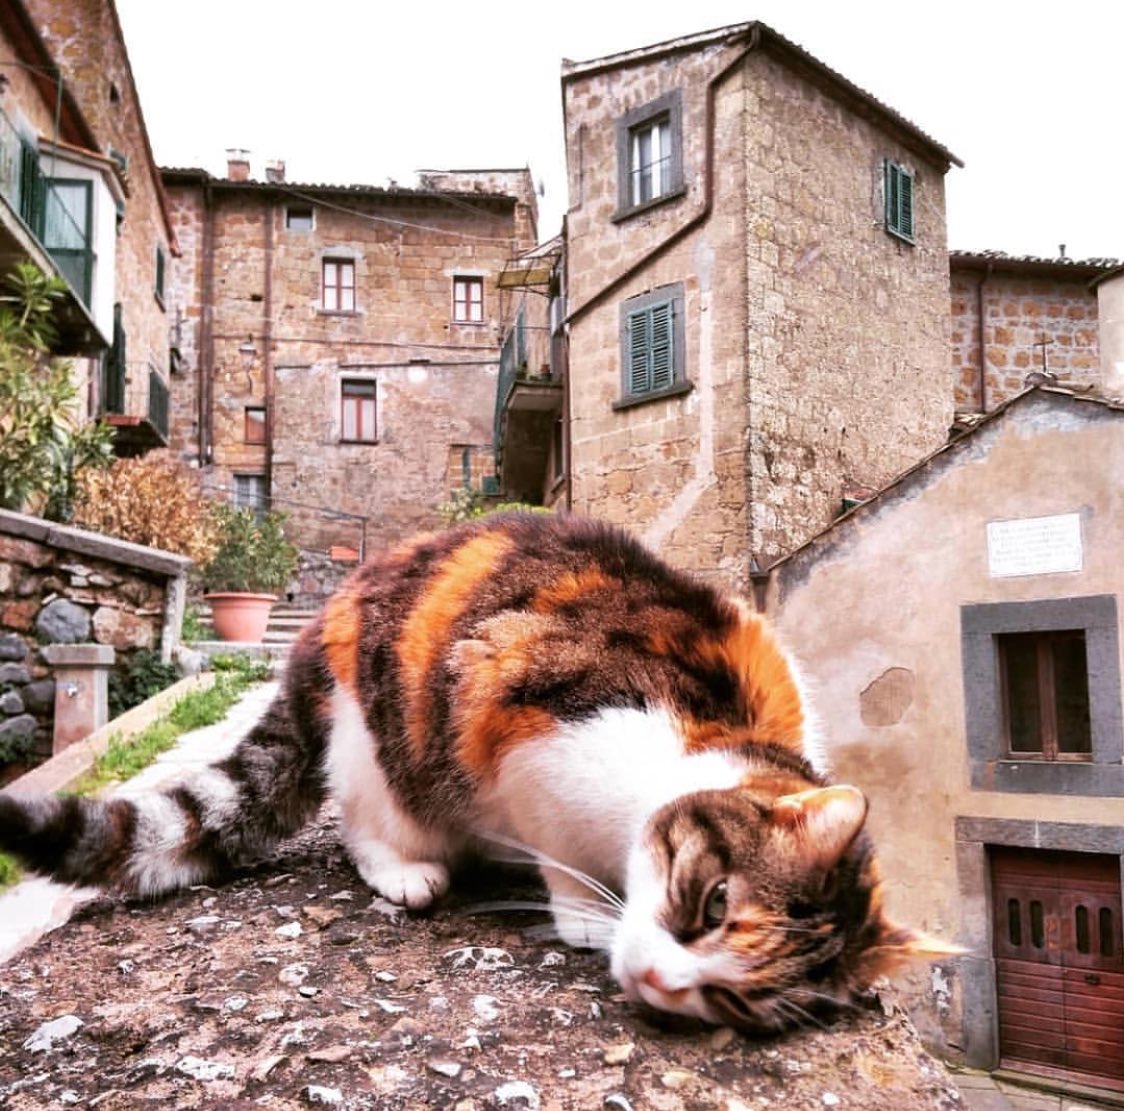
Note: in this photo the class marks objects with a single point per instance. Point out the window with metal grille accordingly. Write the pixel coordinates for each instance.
(898, 194)
(338, 285)
(649, 146)
(358, 410)
(249, 491)
(468, 300)
(1046, 694)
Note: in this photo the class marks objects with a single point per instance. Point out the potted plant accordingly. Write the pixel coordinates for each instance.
(253, 563)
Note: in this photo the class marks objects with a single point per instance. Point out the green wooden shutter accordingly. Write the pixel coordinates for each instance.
(639, 342)
(898, 189)
(662, 357)
(905, 189)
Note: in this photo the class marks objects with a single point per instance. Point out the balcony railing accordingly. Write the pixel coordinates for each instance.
(48, 211)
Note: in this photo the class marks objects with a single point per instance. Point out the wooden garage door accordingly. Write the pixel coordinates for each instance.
(1060, 963)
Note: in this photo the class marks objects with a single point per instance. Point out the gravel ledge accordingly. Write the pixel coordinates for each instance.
(292, 986)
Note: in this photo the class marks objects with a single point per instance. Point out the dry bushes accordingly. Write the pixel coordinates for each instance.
(154, 500)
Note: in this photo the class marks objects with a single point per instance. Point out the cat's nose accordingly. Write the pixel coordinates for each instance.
(654, 980)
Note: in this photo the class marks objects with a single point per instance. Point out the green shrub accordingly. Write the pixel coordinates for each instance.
(138, 679)
(253, 554)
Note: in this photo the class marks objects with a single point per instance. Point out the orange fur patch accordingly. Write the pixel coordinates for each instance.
(340, 637)
(570, 587)
(425, 635)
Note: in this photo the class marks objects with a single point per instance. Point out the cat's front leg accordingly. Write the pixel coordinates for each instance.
(582, 922)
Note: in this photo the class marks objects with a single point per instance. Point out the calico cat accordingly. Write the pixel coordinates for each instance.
(544, 682)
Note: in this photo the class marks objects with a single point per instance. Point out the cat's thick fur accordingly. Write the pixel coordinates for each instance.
(542, 682)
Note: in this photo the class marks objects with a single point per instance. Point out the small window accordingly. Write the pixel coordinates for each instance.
(249, 491)
(649, 145)
(358, 397)
(898, 194)
(1046, 695)
(160, 264)
(298, 218)
(254, 427)
(339, 285)
(652, 348)
(468, 300)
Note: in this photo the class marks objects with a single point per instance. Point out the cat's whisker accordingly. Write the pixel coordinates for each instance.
(801, 1014)
(544, 860)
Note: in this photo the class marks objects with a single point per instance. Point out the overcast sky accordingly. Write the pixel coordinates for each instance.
(364, 91)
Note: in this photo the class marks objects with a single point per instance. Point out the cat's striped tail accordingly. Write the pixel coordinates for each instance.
(216, 818)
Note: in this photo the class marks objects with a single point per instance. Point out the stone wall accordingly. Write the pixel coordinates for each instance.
(1030, 319)
(254, 280)
(815, 342)
(61, 585)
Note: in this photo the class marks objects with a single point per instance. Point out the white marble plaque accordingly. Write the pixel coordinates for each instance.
(1034, 545)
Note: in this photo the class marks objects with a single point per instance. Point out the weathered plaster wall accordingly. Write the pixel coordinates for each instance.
(872, 610)
(1020, 313)
(1110, 313)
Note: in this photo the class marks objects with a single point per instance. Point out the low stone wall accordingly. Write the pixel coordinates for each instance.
(60, 585)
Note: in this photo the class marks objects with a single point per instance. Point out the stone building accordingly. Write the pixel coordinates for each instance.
(1039, 315)
(103, 216)
(962, 631)
(341, 344)
(757, 294)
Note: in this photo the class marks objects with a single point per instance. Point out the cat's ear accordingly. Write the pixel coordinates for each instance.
(824, 821)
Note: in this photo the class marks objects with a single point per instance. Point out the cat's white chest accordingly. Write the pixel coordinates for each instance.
(583, 794)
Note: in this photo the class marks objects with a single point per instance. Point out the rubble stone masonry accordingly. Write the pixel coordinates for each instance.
(816, 343)
(1031, 321)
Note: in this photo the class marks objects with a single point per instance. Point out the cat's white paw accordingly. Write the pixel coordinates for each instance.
(413, 884)
(579, 932)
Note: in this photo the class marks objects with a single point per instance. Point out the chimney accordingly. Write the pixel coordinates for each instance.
(237, 164)
(275, 171)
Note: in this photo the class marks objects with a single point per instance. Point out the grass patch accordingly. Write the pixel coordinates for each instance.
(124, 758)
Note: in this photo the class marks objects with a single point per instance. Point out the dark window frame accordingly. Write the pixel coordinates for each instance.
(294, 212)
(369, 392)
(463, 306)
(248, 424)
(338, 287)
(161, 275)
(669, 108)
(644, 314)
(1045, 691)
(899, 193)
(992, 767)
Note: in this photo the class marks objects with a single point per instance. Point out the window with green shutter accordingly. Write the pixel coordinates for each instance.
(898, 193)
(652, 348)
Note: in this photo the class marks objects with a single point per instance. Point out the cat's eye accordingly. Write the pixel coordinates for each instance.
(714, 908)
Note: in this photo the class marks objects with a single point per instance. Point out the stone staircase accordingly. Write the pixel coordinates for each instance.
(285, 624)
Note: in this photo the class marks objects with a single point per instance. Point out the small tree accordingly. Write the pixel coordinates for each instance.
(42, 446)
(253, 554)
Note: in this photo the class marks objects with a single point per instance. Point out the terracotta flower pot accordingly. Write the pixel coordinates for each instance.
(240, 617)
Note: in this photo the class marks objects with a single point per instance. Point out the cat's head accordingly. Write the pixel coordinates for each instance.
(757, 914)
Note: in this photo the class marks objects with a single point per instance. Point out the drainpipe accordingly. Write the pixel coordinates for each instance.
(982, 345)
(267, 346)
(703, 213)
(206, 370)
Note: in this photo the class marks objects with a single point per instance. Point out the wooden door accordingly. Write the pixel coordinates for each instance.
(1059, 963)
